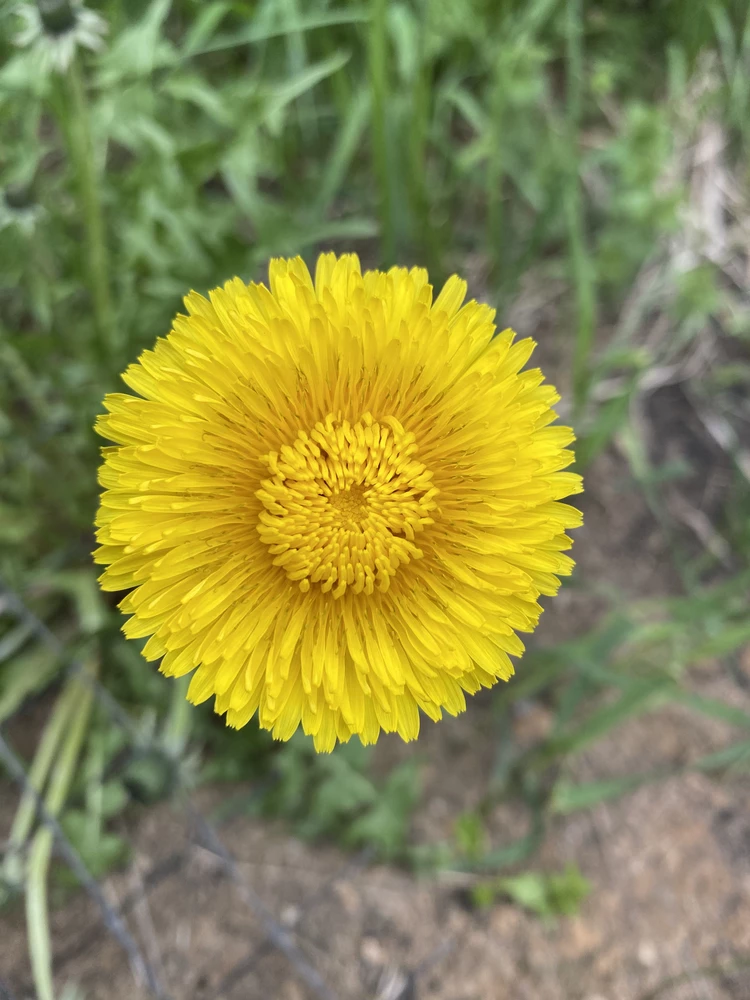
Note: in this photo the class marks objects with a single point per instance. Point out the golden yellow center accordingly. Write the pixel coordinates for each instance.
(344, 503)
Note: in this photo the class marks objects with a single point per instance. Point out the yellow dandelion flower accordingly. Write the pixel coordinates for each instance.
(337, 502)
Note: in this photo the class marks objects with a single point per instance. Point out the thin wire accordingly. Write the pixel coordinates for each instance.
(110, 916)
(11, 601)
(275, 933)
(246, 965)
(157, 874)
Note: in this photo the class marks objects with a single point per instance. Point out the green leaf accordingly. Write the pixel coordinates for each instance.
(528, 890)
(566, 891)
(287, 91)
(568, 797)
(139, 49)
(113, 800)
(81, 586)
(253, 34)
(641, 696)
(406, 33)
(547, 895)
(99, 853)
(385, 824)
(737, 755)
(470, 834)
(16, 525)
(209, 18)
(13, 639)
(729, 638)
(24, 675)
(714, 708)
(610, 418)
(346, 145)
(194, 90)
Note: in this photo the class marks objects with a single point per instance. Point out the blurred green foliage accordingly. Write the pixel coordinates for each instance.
(546, 895)
(535, 141)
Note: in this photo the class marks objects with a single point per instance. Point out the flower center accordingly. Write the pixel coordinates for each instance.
(344, 503)
(58, 16)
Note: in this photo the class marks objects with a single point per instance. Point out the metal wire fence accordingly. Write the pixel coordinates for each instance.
(202, 834)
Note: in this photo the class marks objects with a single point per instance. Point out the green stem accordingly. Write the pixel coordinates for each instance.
(37, 921)
(420, 111)
(496, 172)
(296, 54)
(14, 366)
(179, 720)
(45, 754)
(77, 129)
(378, 59)
(580, 262)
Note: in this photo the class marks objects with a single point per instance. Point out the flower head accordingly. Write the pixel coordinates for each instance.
(339, 500)
(53, 29)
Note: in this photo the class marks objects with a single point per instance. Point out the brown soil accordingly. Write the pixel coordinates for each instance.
(669, 864)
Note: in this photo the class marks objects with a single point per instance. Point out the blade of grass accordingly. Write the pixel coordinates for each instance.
(76, 126)
(45, 754)
(721, 972)
(495, 169)
(642, 696)
(296, 49)
(379, 88)
(179, 720)
(580, 263)
(347, 142)
(513, 853)
(110, 916)
(203, 27)
(254, 34)
(295, 87)
(568, 797)
(418, 179)
(714, 708)
(37, 917)
(733, 756)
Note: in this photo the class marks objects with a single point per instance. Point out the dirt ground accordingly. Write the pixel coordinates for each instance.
(668, 916)
(669, 866)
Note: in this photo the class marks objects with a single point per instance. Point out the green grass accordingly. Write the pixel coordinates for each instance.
(545, 142)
